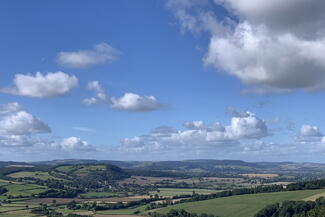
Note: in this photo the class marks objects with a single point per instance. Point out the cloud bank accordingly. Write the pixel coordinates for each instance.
(18, 130)
(199, 136)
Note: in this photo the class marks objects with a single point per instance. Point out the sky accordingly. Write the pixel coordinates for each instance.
(162, 80)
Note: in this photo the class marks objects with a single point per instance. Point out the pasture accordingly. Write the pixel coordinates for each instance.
(35, 174)
(23, 190)
(241, 205)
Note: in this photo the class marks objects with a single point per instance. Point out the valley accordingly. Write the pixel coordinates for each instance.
(108, 188)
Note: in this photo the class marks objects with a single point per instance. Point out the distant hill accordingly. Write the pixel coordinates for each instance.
(14, 164)
(90, 171)
(197, 166)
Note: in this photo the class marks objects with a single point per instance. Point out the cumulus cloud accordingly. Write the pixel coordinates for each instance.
(198, 135)
(282, 61)
(100, 54)
(310, 131)
(51, 84)
(14, 120)
(135, 103)
(128, 102)
(18, 136)
(72, 144)
(275, 45)
(311, 137)
(17, 125)
(296, 16)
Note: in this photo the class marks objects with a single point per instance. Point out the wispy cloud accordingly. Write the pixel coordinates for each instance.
(100, 54)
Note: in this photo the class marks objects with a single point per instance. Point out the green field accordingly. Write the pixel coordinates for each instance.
(80, 170)
(242, 205)
(169, 192)
(25, 190)
(122, 211)
(18, 213)
(64, 168)
(36, 174)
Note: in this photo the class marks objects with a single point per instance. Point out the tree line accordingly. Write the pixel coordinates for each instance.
(307, 185)
(180, 213)
(294, 209)
(3, 190)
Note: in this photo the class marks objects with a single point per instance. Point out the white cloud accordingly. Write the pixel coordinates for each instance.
(275, 45)
(99, 93)
(100, 54)
(310, 131)
(199, 136)
(18, 130)
(128, 102)
(17, 126)
(14, 120)
(16, 141)
(99, 90)
(257, 57)
(135, 103)
(248, 127)
(50, 85)
(90, 101)
(72, 144)
(310, 140)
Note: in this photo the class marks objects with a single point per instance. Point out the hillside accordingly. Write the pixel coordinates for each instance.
(242, 205)
(203, 166)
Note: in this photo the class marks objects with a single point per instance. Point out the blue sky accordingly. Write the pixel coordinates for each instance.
(160, 63)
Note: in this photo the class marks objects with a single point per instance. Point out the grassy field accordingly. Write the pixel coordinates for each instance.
(18, 213)
(15, 209)
(314, 197)
(80, 170)
(169, 192)
(25, 190)
(64, 168)
(242, 205)
(122, 211)
(36, 174)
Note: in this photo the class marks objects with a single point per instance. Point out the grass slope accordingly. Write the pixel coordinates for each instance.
(36, 174)
(26, 190)
(242, 205)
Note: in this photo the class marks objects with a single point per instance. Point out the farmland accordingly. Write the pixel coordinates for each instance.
(36, 174)
(169, 192)
(21, 190)
(242, 205)
(102, 189)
